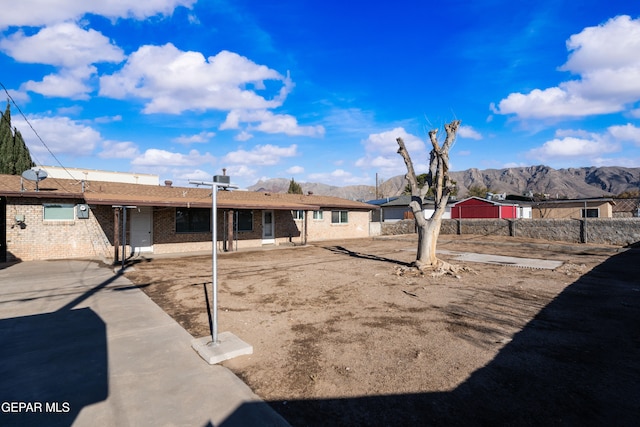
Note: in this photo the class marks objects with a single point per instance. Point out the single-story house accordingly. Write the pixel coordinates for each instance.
(601, 207)
(69, 218)
(476, 207)
(397, 208)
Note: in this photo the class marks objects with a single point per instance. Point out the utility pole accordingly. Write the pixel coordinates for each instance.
(221, 346)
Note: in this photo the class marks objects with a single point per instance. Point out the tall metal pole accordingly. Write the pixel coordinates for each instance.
(214, 250)
(124, 234)
(214, 263)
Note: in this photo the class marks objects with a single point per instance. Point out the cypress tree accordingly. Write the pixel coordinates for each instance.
(6, 138)
(23, 160)
(15, 157)
(294, 187)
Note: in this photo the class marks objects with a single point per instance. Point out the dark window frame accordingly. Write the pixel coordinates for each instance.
(193, 220)
(245, 224)
(340, 217)
(590, 213)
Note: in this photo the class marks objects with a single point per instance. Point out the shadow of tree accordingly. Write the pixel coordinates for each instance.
(345, 251)
(577, 362)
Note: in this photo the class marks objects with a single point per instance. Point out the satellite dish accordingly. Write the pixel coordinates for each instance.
(35, 174)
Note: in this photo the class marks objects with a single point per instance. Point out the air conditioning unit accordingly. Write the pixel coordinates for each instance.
(222, 179)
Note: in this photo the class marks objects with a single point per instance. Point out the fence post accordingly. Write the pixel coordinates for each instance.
(583, 230)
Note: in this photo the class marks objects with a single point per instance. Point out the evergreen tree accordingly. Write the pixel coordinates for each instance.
(5, 139)
(23, 158)
(294, 187)
(14, 154)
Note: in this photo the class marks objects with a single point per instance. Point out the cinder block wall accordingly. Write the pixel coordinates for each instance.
(610, 231)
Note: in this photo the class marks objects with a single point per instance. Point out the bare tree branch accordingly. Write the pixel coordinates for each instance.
(437, 180)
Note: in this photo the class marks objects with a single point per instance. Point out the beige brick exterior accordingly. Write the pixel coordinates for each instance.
(94, 237)
(571, 209)
(38, 239)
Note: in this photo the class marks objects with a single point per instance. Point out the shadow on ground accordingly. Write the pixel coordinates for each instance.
(576, 363)
(57, 362)
(52, 365)
(344, 251)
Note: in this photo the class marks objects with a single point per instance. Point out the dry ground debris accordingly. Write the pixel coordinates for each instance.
(343, 335)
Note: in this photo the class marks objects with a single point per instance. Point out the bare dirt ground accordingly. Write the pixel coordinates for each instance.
(344, 334)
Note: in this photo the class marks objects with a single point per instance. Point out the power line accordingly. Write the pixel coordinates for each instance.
(35, 132)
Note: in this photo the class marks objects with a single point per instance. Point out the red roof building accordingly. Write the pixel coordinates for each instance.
(475, 207)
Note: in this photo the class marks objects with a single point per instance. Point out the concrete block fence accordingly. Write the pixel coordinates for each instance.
(609, 231)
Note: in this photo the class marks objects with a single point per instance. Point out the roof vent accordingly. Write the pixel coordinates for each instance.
(168, 182)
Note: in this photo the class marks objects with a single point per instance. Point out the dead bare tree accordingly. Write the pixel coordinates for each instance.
(439, 182)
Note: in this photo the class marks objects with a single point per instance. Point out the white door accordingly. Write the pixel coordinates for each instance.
(141, 229)
(268, 226)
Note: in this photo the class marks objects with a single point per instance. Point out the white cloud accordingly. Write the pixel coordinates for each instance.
(580, 144)
(108, 119)
(198, 138)
(338, 177)
(469, 132)
(119, 150)
(68, 47)
(242, 174)
(156, 157)
(269, 122)
(63, 45)
(625, 133)
(69, 83)
(263, 155)
(609, 76)
(45, 12)
(295, 170)
(569, 147)
(381, 152)
(174, 81)
(61, 134)
(243, 136)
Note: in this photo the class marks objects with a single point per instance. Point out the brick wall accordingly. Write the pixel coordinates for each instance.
(94, 237)
(40, 239)
(356, 227)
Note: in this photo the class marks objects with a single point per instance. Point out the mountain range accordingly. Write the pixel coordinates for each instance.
(569, 183)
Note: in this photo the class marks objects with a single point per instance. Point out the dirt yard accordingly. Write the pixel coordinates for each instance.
(344, 334)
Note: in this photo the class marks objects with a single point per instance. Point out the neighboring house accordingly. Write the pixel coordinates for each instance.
(573, 208)
(397, 208)
(475, 207)
(77, 219)
(376, 215)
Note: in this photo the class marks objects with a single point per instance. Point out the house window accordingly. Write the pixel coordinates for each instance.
(53, 212)
(244, 220)
(317, 215)
(193, 220)
(297, 214)
(590, 213)
(339, 217)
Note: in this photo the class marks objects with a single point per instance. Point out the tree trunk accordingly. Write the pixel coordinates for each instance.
(438, 181)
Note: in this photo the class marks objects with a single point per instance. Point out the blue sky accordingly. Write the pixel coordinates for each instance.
(319, 91)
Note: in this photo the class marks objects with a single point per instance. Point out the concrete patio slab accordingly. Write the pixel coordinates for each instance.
(82, 346)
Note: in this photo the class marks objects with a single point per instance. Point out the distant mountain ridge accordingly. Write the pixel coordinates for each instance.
(569, 183)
